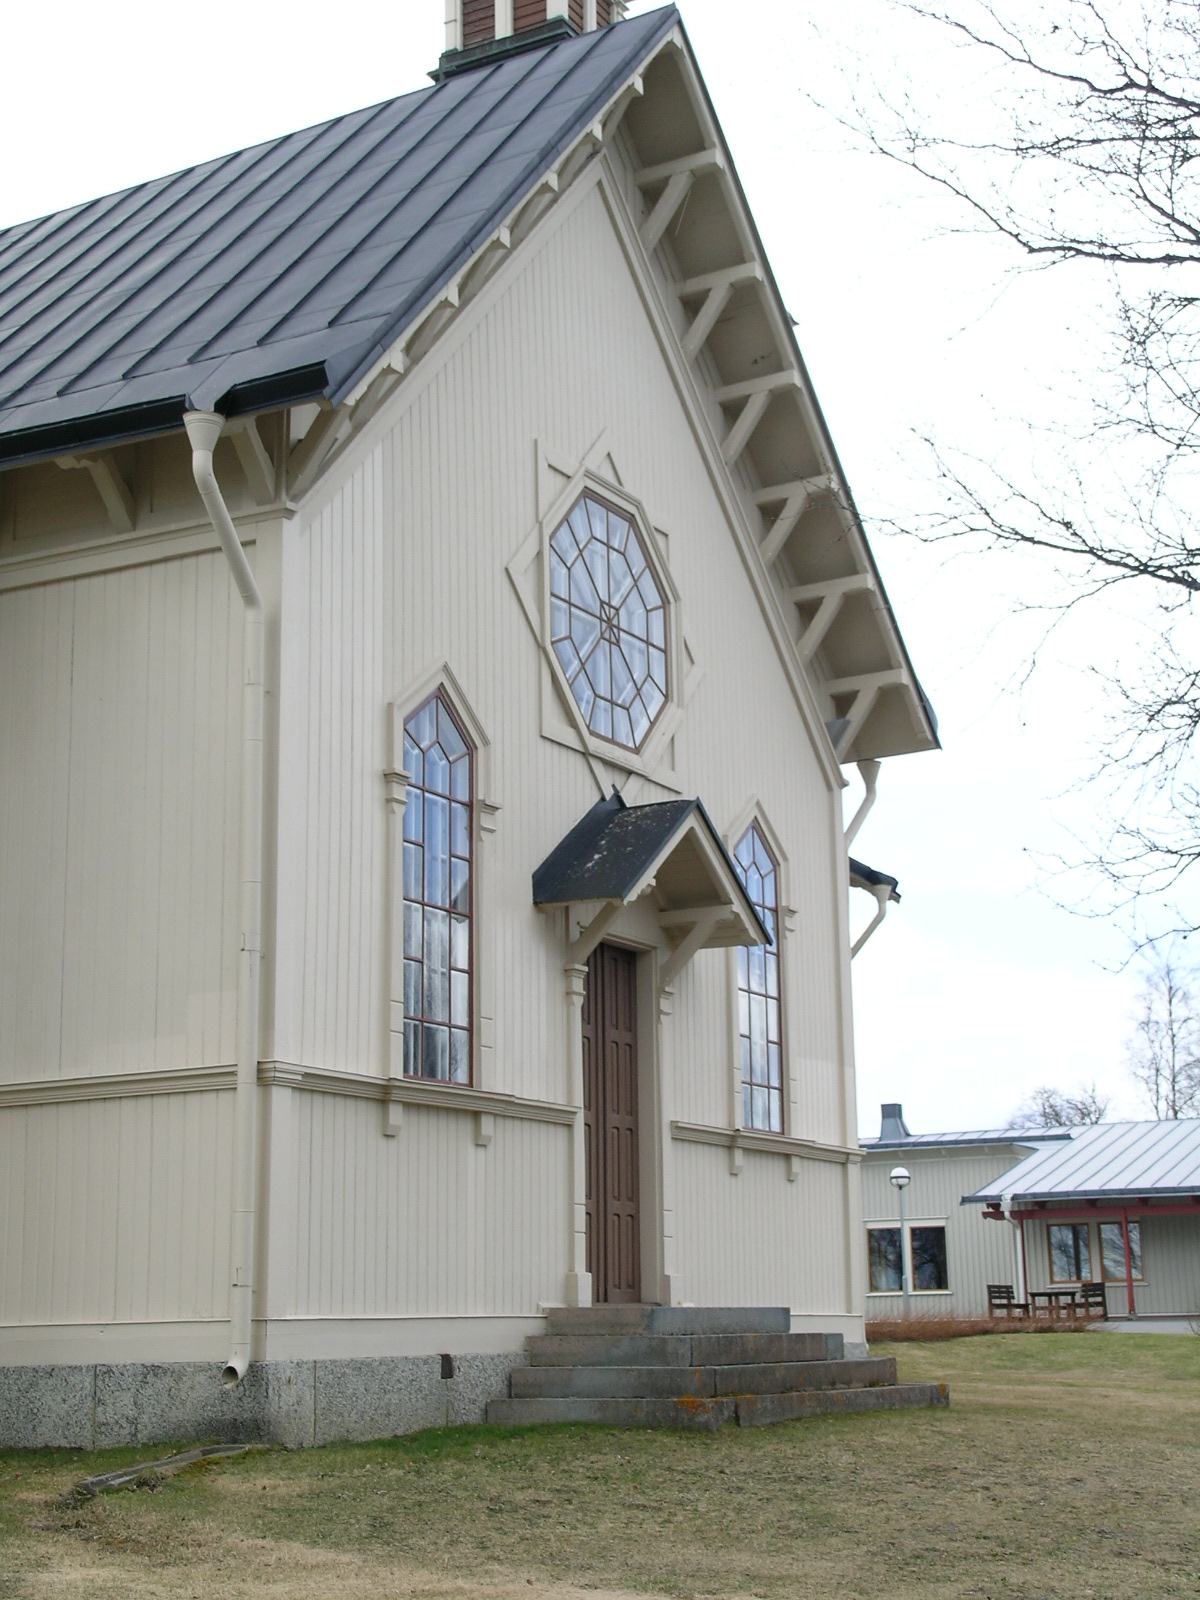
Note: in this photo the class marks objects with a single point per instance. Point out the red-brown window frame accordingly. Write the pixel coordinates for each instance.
(442, 700)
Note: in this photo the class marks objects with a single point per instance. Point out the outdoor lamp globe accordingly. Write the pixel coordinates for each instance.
(901, 1177)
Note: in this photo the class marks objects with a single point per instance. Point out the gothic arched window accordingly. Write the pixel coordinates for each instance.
(437, 895)
(759, 1021)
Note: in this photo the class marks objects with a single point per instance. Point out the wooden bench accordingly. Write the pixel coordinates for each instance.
(1002, 1298)
(1093, 1301)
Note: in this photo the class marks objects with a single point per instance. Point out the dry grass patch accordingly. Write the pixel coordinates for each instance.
(1066, 1467)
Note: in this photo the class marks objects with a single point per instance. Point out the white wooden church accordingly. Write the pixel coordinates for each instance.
(433, 628)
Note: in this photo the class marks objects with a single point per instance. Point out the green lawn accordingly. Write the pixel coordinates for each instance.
(1067, 1465)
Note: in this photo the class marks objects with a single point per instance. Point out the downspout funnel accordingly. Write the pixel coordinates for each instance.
(203, 431)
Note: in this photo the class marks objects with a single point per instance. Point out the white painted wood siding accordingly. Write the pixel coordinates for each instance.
(978, 1252)
(115, 1211)
(427, 1223)
(119, 753)
(402, 564)
(398, 563)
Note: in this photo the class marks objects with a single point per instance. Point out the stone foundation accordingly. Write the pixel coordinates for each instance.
(293, 1403)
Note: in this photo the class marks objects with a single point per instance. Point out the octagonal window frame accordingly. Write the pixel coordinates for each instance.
(665, 721)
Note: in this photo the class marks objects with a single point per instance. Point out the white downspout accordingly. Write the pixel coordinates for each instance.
(203, 431)
(882, 893)
(868, 771)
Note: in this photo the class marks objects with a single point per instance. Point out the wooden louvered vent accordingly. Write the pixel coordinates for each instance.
(479, 20)
(528, 14)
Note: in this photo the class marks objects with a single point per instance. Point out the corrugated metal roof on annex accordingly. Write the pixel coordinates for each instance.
(1108, 1161)
(283, 271)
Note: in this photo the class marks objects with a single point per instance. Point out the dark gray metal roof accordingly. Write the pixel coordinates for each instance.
(951, 1141)
(1110, 1161)
(284, 271)
(612, 847)
(894, 1135)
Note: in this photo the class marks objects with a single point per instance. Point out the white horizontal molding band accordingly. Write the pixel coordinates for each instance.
(768, 1143)
(414, 1092)
(117, 1085)
(284, 1074)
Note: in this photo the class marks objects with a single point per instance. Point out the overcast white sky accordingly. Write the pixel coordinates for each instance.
(977, 988)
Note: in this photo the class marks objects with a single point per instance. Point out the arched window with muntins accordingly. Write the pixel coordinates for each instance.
(437, 895)
(760, 1023)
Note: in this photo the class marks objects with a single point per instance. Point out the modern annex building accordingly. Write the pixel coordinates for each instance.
(947, 1249)
(433, 624)
(1118, 1204)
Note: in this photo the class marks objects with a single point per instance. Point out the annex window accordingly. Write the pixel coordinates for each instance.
(1070, 1252)
(608, 622)
(759, 1021)
(1112, 1250)
(884, 1260)
(928, 1247)
(437, 895)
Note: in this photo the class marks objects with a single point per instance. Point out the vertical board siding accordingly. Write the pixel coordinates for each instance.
(1170, 1264)
(758, 1239)
(401, 564)
(119, 782)
(426, 1223)
(116, 1210)
(978, 1251)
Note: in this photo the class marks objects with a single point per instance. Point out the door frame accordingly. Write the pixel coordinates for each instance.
(636, 930)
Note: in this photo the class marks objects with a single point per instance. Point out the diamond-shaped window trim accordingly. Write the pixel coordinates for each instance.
(608, 622)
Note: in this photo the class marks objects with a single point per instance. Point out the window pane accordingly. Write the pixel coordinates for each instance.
(883, 1256)
(1112, 1250)
(438, 761)
(929, 1258)
(1070, 1252)
(437, 1053)
(604, 597)
(758, 989)
(460, 1063)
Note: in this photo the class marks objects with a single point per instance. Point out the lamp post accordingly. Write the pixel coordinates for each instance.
(900, 1179)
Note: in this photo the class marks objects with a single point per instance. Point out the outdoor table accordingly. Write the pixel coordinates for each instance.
(1059, 1302)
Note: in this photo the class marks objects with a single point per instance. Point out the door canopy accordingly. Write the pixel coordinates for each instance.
(668, 852)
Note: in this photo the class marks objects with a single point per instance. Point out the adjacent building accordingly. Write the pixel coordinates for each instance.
(949, 1250)
(1117, 1203)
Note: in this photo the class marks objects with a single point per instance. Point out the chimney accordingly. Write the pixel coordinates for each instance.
(892, 1127)
(488, 28)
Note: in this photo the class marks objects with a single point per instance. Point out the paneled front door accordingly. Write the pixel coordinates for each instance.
(610, 1119)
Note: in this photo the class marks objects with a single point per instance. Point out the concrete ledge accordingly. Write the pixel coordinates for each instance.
(293, 1403)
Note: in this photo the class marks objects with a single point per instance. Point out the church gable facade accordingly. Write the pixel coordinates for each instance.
(426, 841)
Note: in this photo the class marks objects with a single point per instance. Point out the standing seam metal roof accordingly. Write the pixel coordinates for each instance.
(1108, 1161)
(284, 271)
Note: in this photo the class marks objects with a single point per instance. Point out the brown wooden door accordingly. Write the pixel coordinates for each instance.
(610, 1120)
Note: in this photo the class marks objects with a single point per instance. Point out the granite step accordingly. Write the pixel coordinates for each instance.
(688, 1411)
(674, 1320)
(647, 1382)
(675, 1350)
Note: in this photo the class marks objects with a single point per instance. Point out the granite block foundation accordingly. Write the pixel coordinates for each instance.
(295, 1403)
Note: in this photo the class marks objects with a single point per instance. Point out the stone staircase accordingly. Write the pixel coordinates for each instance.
(694, 1367)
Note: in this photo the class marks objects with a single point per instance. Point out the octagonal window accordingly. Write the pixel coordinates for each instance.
(608, 622)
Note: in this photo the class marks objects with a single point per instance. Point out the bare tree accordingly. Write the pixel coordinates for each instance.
(1164, 1053)
(1083, 147)
(1057, 1108)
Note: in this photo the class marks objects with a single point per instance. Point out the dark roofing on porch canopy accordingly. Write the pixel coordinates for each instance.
(610, 851)
(283, 272)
